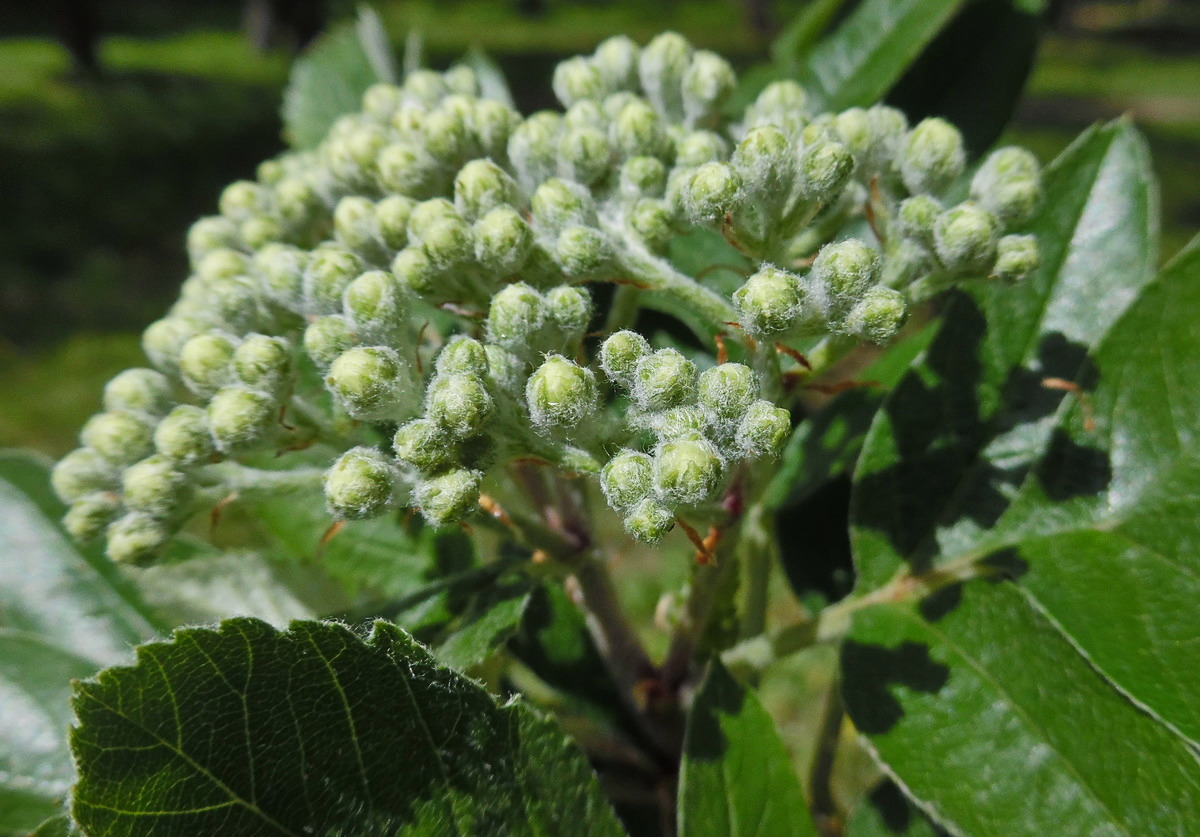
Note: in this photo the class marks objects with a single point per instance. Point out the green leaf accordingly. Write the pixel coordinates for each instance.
(330, 78)
(63, 614)
(871, 49)
(57, 826)
(993, 722)
(736, 776)
(376, 44)
(249, 730)
(488, 624)
(885, 812)
(492, 84)
(928, 490)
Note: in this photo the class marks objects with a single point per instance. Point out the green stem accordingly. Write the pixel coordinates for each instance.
(623, 311)
(758, 551)
(247, 481)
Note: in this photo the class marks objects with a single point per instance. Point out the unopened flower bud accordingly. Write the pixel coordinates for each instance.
(642, 177)
(686, 422)
(825, 169)
(81, 472)
(878, 316)
(425, 86)
(727, 390)
(584, 155)
(142, 390)
(965, 238)
(559, 203)
(770, 302)
(424, 445)
(155, 486)
(241, 419)
(763, 430)
(570, 309)
(649, 521)
(781, 103)
(533, 147)
(164, 339)
(765, 161)
(280, 268)
(706, 86)
(481, 186)
(391, 220)
(354, 224)
(223, 264)
(516, 313)
(120, 436)
(639, 132)
(617, 61)
(713, 191)
(377, 306)
(503, 240)
(581, 251)
(371, 383)
(846, 269)
(413, 268)
(212, 233)
(560, 393)
(461, 79)
(651, 221)
(459, 403)
(260, 230)
(663, 379)
(449, 244)
(136, 538)
(687, 471)
(90, 515)
(506, 370)
(297, 201)
(492, 123)
(426, 215)
(462, 355)
(205, 361)
(1016, 257)
(449, 497)
(381, 100)
(933, 156)
(183, 437)
(1008, 184)
(360, 484)
(578, 78)
(330, 269)
(446, 138)
(916, 217)
(326, 338)
(620, 354)
(405, 169)
(700, 147)
(264, 363)
(661, 67)
(627, 479)
(244, 198)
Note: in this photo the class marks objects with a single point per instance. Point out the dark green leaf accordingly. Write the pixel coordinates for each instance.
(802, 31)
(990, 718)
(57, 826)
(885, 812)
(957, 437)
(492, 618)
(329, 81)
(736, 776)
(248, 730)
(871, 49)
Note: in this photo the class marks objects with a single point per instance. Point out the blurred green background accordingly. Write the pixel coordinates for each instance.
(120, 122)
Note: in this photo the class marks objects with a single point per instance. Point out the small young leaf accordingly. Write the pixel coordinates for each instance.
(492, 618)
(376, 44)
(492, 84)
(245, 729)
(736, 776)
(989, 717)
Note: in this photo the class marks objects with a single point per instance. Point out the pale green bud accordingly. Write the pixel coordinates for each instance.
(916, 217)
(260, 230)
(360, 484)
(642, 177)
(620, 354)
(686, 422)
(700, 147)
(1016, 257)
(205, 361)
(713, 191)
(581, 251)
(503, 240)
(136, 538)
(450, 497)
(765, 161)
(727, 390)
(516, 313)
(446, 136)
(586, 113)
(965, 238)
(448, 243)
(264, 363)
(873, 136)
(121, 436)
(406, 169)
(663, 379)
(461, 79)
(223, 264)
(933, 156)
(183, 437)
(578, 78)
(661, 67)
(706, 85)
(1008, 184)
(617, 60)
(560, 394)
(763, 430)
(462, 355)
(424, 445)
(81, 472)
(212, 233)
(381, 100)
(559, 203)
(354, 225)
(244, 198)
(825, 169)
(164, 339)
(481, 186)
(638, 131)
(297, 201)
(846, 269)
(781, 103)
(241, 419)
(330, 269)
(878, 316)
(326, 338)
(280, 268)
(687, 471)
(270, 172)
(377, 306)
(492, 123)
(155, 487)
(770, 302)
(391, 220)
(142, 390)
(627, 479)
(584, 155)
(459, 403)
(570, 308)
(507, 370)
(425, 86)
(416, 271)
(651, 220)
(649, 521)
(90, 515)
(371, 383)
(533, 147)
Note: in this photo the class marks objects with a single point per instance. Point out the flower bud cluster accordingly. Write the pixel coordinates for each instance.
(414, 293)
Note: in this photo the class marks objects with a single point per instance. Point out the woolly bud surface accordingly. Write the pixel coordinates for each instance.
(81, 472)
(687, 471)
(727, 390)
(136, 538)
(183, 436)
(663, 379)
(627, 479)
(360, 484)
(241, 418)
(449, 497)
(369, 382)
(560, 393)
(619, 356)
(460, 403)
(769, 302)
(120, 436)
(763, 430)
(143, 390)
